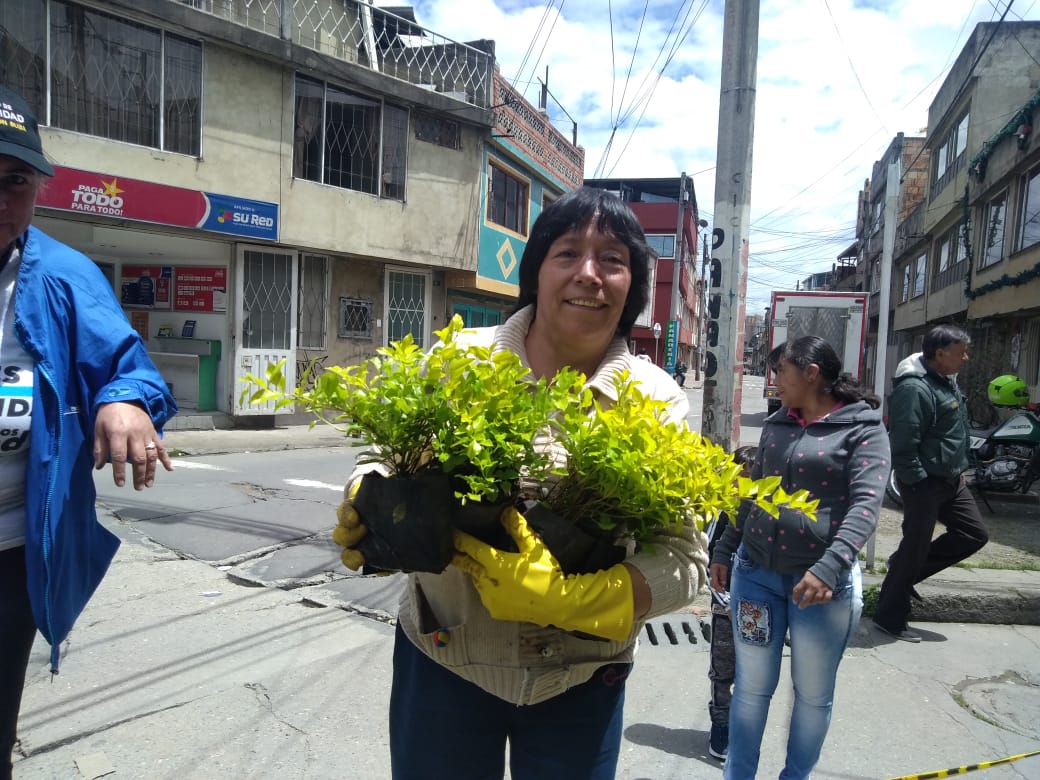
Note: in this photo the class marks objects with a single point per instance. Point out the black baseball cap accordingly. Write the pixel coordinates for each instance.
(19, 133)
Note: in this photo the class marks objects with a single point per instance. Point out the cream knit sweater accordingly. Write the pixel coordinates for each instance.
(520, 662)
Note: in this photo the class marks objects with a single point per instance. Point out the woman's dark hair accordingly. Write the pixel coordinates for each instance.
(807, 350)
(576, 209)
(942, 336)
(745, 455)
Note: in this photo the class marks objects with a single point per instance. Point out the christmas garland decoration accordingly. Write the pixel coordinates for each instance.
(977, 166)
(977, 169)
(1006, 280)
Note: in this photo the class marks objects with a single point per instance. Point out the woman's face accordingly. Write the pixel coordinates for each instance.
(18, 185)
(795, 386)
(583, 284)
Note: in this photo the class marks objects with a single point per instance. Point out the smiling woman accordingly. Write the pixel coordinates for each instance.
(503, 645)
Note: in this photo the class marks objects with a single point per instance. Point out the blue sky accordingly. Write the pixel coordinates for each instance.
(837, 79)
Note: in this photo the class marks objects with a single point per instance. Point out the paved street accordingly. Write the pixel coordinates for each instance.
(184, 667)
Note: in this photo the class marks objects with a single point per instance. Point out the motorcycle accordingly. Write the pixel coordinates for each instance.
(1004, 458)
(680, 374)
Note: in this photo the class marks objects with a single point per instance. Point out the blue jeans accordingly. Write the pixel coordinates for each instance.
(444, 726)
(763, 612)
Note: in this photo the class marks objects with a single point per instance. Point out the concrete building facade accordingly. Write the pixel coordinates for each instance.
(273, 181)
(976, 238)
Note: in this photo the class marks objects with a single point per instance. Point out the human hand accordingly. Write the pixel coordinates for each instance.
(530, 586)
(349, 531)
(811, 590)
(718, 574)
(123, 433)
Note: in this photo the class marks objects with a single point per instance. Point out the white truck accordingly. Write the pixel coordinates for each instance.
(838, 317)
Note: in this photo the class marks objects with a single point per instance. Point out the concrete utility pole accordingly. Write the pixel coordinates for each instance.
(675, 311)
(888, 249)
(728, 277)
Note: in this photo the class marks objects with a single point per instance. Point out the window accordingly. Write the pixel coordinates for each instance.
(407, 301)
(108, 77)
(993, 234)
(950, 154)
(919, 276)
(474, 316)
(949, 258)
(1030, 231)
(349, 140)
(434, 130)
(311, 308)
(507, 200)
(944, 255)
(663, 245)
(905, 294)
(547, 199)
(355, 318)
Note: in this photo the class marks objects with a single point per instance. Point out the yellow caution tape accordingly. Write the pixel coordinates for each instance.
(960, 770)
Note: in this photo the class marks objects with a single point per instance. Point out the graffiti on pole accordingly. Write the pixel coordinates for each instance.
(718, 236)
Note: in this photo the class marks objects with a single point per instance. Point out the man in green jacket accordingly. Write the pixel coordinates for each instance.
(928, 427)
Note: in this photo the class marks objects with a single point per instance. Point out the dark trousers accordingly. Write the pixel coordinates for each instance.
(444, 726)
(17, 631)
(924, 504)
(722, 663)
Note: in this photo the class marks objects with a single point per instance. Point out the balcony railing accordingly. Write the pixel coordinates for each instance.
(356, 32)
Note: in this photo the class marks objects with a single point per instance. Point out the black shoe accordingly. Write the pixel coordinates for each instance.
(904, 633)
(718, 741)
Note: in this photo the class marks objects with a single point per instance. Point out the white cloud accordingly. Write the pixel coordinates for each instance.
(817, 131)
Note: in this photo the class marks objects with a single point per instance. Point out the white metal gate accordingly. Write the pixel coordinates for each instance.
(265, 319)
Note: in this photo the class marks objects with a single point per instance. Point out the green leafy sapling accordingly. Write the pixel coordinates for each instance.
(630, 472)
(461, 409)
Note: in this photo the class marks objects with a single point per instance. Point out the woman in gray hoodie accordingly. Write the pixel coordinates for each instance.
(796, 574)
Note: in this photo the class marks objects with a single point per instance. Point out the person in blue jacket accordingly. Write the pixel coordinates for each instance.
(77, 391)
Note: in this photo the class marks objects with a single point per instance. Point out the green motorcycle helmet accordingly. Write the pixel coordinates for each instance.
(1008, 390)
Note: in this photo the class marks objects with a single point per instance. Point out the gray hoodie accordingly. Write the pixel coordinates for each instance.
(843, 460)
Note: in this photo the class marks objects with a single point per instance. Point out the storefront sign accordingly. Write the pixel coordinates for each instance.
(146, 286)
(108, 195)
(198, 288)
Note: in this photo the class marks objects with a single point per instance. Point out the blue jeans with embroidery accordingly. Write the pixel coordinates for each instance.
(763, 612)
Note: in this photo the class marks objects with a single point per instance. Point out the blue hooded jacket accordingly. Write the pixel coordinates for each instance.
(86, 355)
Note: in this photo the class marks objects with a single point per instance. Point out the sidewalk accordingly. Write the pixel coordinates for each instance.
(178, 670)
(175, 672)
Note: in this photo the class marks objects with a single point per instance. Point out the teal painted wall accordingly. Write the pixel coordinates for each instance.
(499, 250)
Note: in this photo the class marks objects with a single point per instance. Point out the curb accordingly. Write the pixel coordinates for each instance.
(946, 601)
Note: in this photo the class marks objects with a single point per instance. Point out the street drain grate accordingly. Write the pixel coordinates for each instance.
(678, 631)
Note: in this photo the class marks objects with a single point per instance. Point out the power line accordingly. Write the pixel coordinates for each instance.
(632, 60)
(548, 35)
(534, 40)
(852, 66)
(622, 115)
(646, 100)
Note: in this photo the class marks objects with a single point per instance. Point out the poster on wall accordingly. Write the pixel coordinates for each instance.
(147, 286)
(198, 288)
(139, 322)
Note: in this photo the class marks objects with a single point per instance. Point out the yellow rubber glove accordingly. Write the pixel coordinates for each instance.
(349, 532)
(529, 586)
